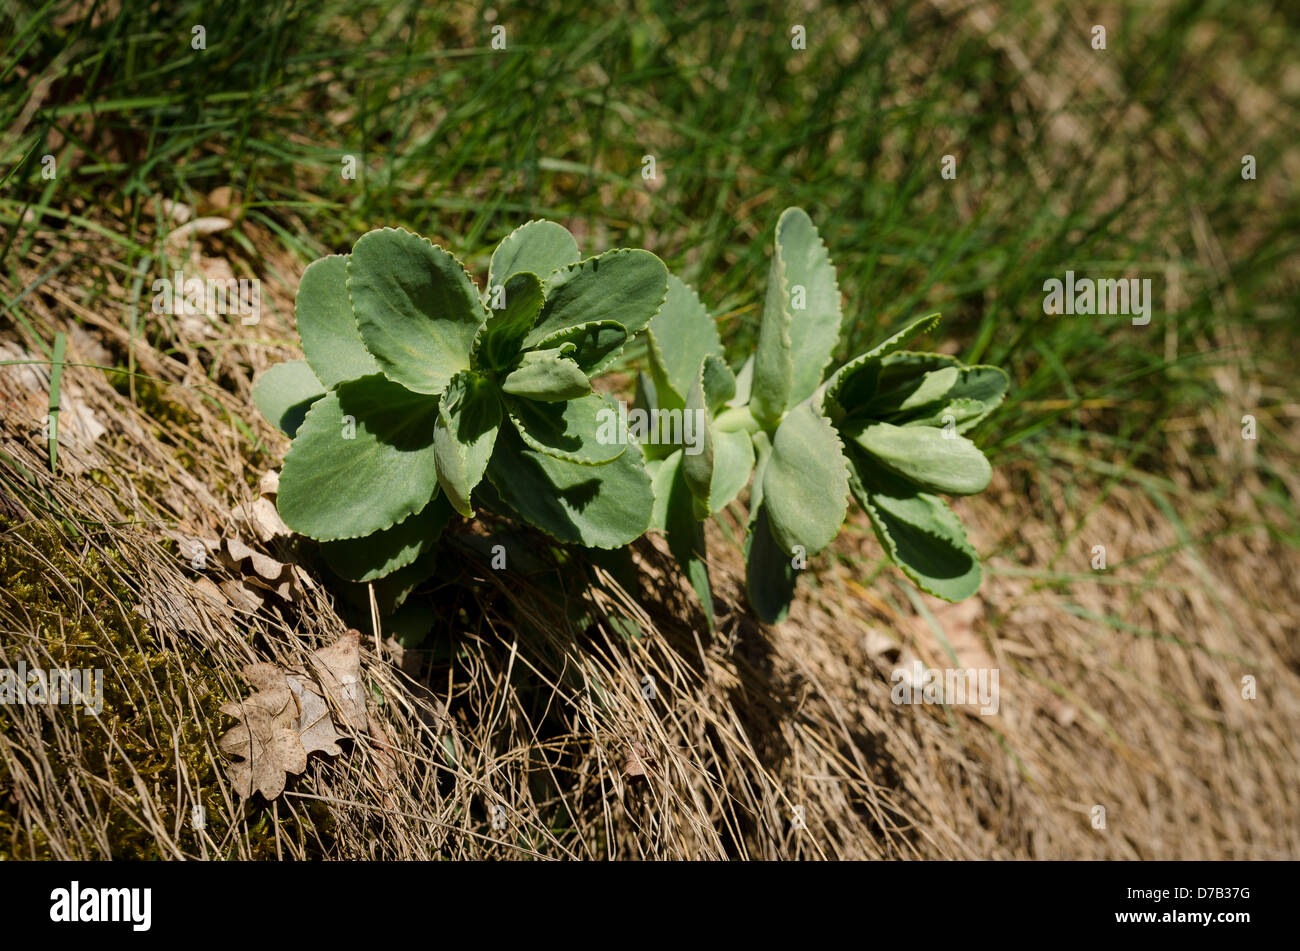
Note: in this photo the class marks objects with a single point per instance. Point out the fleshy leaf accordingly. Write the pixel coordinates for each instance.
(284, 393)
(805, 485)
(744, 383)
(330, 339)
(381, 553)
(500, 338)
(770, 575)
(982, 386)
(680, 334)
(933, 459)
(604, 506)
(593, 346)
(333, 486)
(920, 533)
(469, 417)
(416, 308)
(718, 381)
(898, 341)
(795, 342)
(539, 246)
(582, 431)
(685, 533)
(717, 466)
(545, 375)
(625, 286)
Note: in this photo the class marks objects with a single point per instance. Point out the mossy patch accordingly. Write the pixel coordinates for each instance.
(160, 710)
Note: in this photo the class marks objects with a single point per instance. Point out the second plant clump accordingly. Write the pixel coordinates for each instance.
(421, 398)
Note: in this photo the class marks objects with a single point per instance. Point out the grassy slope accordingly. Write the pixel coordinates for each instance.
(1122, 161)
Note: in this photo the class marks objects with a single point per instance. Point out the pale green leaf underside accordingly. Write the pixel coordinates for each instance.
(330, 339)
(680, 335)
(805, 485)
(801, 319)
(625, 286)
(592, 346)
(284, 393)
(934, 459)
(919, 532)
(815, 329)
(539, 246)
(733, 460)
(545, 375)
(416, 308)
(333, 487)
(499, 339)
(469, 417)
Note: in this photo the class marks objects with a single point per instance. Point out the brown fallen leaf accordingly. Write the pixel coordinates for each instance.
(260, 519)
(638, 765)
(265, 742)
(338, 668)
(315, 726)
(290, 715)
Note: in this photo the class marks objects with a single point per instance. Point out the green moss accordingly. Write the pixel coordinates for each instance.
(82, 610)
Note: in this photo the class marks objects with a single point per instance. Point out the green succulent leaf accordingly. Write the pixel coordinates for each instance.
(899, 340)
(717, 466)
(363, 460)
(770, 575)
(960, 414)
(540, 247)
(285, 392)
(932, 458)
(733, 460)
(675, 515)
(593, 346)
(330, 339)
(977, 392)
(983, 384)
(583, 431)
(416, 308)
(605, 506)
(920, 533)
(647, 394)
(500, 338)
(382, 553)
(744, 383)
(547, 376)
(801, 319)
(905, 381)
(625, 286)
(469, 417)
(679, 335)
(718, 381)
(805, 484)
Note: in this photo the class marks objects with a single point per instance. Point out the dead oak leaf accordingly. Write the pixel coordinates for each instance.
(338, 670)
(315, 726)
(266, 745)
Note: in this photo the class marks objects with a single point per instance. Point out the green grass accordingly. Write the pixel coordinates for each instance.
(463, 142)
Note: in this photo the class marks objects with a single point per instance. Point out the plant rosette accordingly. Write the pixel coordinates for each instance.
(419, 398)
(887, 427)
